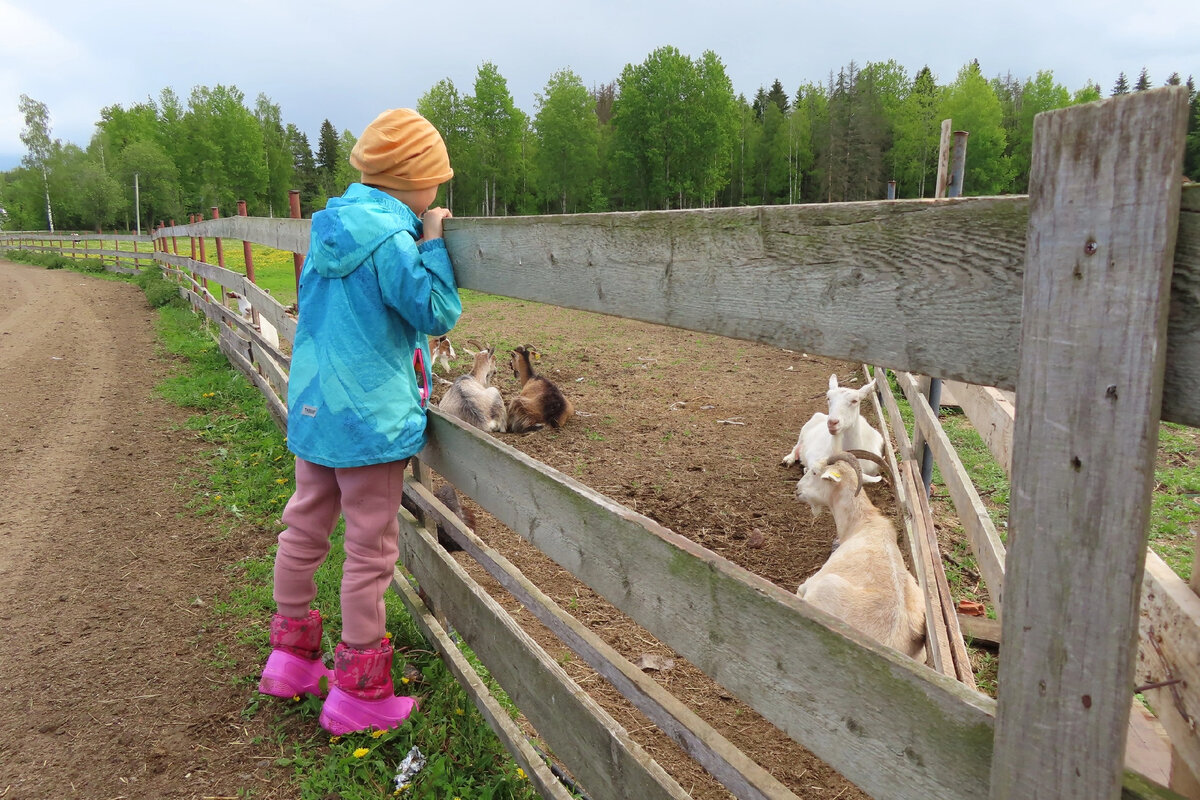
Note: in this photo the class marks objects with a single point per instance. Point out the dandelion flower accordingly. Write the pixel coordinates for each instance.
(216, 497)
(334, 739)
(520, 773)
(387, 634)
(404, 680)
(458, 711)
(378, 733)
(360, 752)
(281, 481)
(296, 698)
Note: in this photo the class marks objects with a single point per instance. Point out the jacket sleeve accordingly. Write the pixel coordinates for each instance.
(418, 283)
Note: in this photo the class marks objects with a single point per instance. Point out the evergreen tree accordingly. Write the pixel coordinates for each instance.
(779, 97)
(304, 169)
(327, 161)
(1143, 81)
(1121, 86)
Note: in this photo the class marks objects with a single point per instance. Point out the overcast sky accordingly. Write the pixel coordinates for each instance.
(348, 62)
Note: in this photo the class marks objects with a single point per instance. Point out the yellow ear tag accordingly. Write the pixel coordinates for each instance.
(833, 473)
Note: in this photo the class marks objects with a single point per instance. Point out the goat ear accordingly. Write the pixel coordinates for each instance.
(832, 474)
(833, 384)
(867, 388)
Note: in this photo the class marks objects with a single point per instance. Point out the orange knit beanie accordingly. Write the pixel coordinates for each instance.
(401, 149)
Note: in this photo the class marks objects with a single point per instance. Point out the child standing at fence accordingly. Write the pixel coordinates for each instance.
(376, 281)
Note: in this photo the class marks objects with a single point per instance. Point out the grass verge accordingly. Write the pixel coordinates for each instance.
(246, 479)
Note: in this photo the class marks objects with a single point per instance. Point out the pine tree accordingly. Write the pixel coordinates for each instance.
(327, 159)
(1121, 86)
(1143, 81)
(778, 96)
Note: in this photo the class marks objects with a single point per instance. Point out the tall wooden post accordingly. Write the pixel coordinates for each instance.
(294, 210)
(1104, 210)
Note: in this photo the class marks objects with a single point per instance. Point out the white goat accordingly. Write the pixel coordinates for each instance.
(264, 325)
(864, 582)
(473, 400)
(843, 428)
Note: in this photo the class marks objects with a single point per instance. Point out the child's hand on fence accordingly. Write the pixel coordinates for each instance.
(431, 222)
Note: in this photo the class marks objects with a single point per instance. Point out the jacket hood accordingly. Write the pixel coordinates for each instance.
(352, 226)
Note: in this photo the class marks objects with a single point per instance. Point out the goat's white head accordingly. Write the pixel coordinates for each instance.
(845, 404)
(816, 485)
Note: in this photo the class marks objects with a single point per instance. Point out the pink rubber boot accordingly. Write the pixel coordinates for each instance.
(294, 666)
(362, 695)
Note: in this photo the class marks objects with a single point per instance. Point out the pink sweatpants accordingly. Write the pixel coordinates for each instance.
(369, 498)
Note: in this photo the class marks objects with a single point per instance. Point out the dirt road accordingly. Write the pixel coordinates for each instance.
(107, 584)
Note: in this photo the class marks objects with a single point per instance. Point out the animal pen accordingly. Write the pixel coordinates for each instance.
(1096, 274)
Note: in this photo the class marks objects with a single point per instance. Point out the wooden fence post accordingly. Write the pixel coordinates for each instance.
(1104, 211)
(216, 214)
(297, 259)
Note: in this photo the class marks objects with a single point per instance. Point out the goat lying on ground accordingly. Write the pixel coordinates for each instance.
(864, 582)
(540, 401)
(473, 400)
(843, 428)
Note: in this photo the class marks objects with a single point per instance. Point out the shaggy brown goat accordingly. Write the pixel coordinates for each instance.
(540, 402)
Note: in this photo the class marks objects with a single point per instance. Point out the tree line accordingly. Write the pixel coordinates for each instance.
(668, 133)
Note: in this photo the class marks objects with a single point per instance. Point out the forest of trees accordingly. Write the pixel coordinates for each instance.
(667, 133)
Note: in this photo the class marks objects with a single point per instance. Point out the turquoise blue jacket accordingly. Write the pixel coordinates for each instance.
(368, 296)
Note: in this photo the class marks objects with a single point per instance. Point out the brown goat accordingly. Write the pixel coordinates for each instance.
(540, 402)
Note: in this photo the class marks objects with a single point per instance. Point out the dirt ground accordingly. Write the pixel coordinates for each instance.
(689, 430)
(108, 583)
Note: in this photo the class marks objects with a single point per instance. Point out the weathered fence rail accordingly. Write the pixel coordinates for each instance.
(1104, 288)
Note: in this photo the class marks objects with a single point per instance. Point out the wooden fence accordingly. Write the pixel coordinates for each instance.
(1096, 274)
(86, 245)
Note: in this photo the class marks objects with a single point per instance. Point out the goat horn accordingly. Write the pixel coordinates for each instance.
(869, 456)
(477, 343)
(853, 462)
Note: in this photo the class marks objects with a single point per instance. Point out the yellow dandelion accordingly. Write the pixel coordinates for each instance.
(520, 773)
(404, 680)
(458, 711)
(334, 739)
(216, 497)
(387, 634)
(378, 733)
(360, 752)
(296, 698)
(281, 481)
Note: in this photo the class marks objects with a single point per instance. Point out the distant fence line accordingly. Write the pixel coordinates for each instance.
(1086, 303)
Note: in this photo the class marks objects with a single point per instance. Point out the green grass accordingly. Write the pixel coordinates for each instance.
(245, 479)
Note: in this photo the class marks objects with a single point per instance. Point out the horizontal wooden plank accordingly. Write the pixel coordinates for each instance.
(266, 305)
(847, 280)
(888, 724)
(927, 286)
(1169, 650)
(509, 733)
(281, 233)
(744, 778)
(981, 532)
(16, 236)
(991, 413)
(597, 750)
